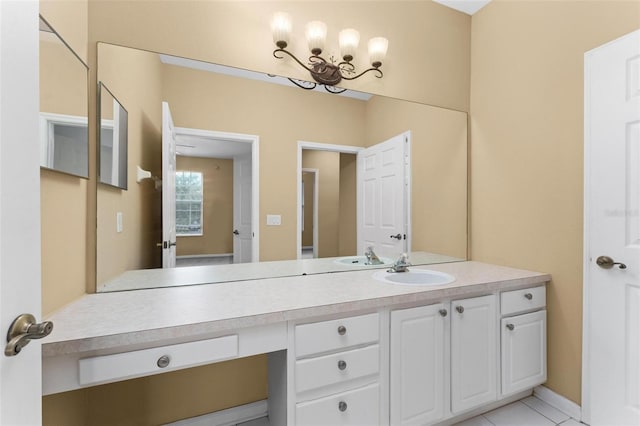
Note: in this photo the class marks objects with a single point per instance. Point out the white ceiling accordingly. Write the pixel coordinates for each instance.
(467, 6)
(199, 146)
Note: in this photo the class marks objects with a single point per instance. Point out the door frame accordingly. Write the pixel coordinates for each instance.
(317, 146)
(316, 183)
(254, 140)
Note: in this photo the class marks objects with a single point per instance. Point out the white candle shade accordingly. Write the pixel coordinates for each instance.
(349, 40)
(316, 36)
(281, 28)
(377, 50)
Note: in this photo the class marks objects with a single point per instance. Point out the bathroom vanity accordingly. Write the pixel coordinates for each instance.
(344, 348)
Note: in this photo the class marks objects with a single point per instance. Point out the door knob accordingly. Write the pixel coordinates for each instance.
(236, 232)
(606, 262)
(168, 244)
(397, 236)
(22, 330)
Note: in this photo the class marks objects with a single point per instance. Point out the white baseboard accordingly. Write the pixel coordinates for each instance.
(228, 417)
(558, 401)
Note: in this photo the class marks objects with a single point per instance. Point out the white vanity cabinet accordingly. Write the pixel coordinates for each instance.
(417, 369)
(349, 351)
(336, 372)
(523, 339)
(474, 361)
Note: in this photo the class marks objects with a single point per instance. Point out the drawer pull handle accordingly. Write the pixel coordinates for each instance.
(342, 406)
(528, 296)
(342, 330)
(164, 361)
(342, 365)
(443, 312)
(460, 309)
(511, 327)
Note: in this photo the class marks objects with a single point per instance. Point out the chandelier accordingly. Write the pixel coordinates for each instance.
(328, 73)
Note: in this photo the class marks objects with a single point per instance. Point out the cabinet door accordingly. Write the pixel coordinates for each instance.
(417, 365)
(473, 352)
(524, 350)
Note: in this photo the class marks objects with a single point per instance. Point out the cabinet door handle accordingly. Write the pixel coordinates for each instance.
(511, 327)
(342, 406)
(342, 365)
(163, 361)
(460, 309)
(443, 312)
(342, 330)
(528, 296)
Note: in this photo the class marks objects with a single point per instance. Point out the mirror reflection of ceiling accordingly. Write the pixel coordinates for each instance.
(251, 75)
(281, 117)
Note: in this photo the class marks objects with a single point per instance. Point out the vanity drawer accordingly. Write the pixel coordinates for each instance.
(335, 368)
(330, 335)
(512, 302)
(356, 407)
(110, 368)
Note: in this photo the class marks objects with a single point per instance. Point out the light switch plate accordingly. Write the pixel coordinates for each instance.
(274, 219)
(119, 222)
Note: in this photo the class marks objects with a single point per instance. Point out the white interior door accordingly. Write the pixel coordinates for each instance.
(383, 197)
(612, 219)
(168, 189)
(242, 215)
(21, 375)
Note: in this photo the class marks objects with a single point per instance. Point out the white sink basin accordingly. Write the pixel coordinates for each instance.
(414, 277)
(361, 261)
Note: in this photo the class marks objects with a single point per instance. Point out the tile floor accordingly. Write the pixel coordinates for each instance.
(527, 412)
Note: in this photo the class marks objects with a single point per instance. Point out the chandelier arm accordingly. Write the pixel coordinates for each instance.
(301, 86)
(376, 70)
(334, 89)
(293, 56)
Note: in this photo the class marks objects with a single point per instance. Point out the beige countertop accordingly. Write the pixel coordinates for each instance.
(106, 321)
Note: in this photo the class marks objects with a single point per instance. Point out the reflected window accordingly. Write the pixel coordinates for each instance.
(188, 203)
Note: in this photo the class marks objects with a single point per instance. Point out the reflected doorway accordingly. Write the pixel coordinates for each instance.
(216, 197)
(327, 190)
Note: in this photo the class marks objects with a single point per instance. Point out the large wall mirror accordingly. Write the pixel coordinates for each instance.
(64, 132)
(259, 169)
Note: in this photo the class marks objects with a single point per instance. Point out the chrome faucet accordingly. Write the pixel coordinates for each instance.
(372, 258)
(401, 264)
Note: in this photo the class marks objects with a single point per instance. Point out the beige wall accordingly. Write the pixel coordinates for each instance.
(438, 170)
(429, 44)
(139, 91)
(527, 151)
(217, 213)
(347, 238)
